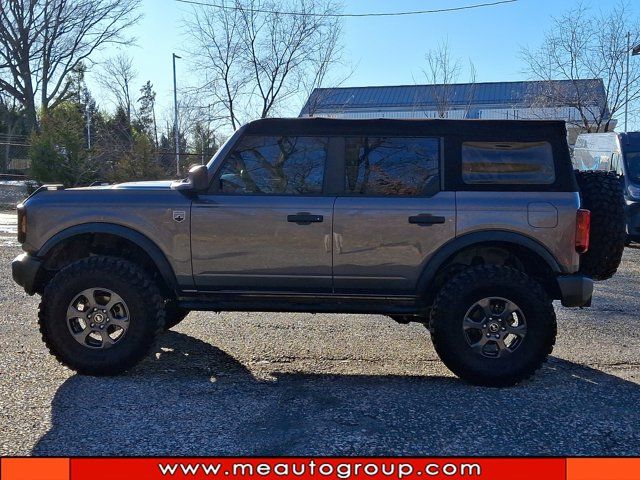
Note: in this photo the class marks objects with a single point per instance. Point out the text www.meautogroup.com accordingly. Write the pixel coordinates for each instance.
(311, 468)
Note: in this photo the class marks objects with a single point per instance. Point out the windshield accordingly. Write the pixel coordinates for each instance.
(632, 160)
(223, 150)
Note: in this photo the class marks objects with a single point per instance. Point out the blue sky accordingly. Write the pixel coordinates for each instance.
(384, 50)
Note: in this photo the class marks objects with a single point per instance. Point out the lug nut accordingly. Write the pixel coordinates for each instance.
(92, 325)
(488, 335)
(503, 329)
(496, 335)
(101, 327)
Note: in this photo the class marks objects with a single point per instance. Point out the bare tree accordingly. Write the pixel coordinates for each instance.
(217, 53)
(583, 49)
(328, 58)
(117, 77)
(11, 119)
(255, 57)
(443, 72)
(323, 58)
(42, 41)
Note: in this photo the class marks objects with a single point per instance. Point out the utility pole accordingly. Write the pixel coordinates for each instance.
(88, 115)
(626, 89)
(202, 147)
(175, 116)
(632, 50)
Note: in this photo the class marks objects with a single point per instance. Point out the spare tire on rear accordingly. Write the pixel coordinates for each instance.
(601, 193)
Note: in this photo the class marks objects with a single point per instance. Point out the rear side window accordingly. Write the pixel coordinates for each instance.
(275, 166)
(508, 163)
(392, 166)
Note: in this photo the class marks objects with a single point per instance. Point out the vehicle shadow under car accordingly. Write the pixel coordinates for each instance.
(192, 398)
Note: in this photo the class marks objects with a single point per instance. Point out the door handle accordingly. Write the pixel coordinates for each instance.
(304, 218)
(426, 219)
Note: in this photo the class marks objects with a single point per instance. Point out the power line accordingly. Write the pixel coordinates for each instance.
(375, 14)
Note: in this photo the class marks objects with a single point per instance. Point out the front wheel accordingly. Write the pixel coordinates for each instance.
(101, 315)
(493, 325)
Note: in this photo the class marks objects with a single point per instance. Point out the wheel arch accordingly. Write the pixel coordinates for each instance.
(152, 255)
(522, 246)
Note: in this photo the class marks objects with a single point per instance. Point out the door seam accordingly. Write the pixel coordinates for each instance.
(333, 215)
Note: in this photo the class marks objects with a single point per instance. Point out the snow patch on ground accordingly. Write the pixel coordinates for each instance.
(8, 225)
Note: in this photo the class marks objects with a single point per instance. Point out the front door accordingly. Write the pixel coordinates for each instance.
(392, 216)
(266, 224)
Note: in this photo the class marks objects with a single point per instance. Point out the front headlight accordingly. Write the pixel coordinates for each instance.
(634, 192)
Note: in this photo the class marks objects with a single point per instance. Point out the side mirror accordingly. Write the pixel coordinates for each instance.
(199, 178)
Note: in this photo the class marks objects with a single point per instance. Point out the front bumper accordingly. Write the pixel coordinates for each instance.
(24, 270)
(576, 290)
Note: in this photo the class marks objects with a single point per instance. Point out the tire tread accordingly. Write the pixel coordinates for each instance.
(134, 275)
(469, 279)
(601, 193)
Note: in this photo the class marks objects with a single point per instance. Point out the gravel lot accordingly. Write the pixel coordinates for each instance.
(294, 384)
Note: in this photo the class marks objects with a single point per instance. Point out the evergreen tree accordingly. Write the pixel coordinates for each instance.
(58, 152)
(147, 112)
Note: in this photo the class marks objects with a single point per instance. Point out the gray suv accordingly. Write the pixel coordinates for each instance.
(469, 227)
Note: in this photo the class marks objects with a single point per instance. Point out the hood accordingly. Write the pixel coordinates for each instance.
(153, 184)
(149, 185)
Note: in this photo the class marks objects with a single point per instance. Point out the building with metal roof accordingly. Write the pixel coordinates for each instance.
(549, 100)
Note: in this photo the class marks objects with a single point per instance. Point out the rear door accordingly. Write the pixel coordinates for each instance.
(266, 223)
(392, 214)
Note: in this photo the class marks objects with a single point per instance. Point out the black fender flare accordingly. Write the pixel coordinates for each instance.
(142, 241)
(468, 240)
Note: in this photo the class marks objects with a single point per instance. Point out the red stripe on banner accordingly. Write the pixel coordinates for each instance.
(318, 468)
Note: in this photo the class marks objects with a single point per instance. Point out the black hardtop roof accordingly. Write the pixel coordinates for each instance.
(332, 126)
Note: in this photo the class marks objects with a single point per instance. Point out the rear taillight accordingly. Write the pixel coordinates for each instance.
(22, 223)
(583, 226)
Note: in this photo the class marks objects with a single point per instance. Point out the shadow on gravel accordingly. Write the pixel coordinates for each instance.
(194, 399)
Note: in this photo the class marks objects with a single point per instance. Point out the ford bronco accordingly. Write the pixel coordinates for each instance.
(470, 227)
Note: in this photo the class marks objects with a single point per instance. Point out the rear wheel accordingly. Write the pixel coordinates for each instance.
(101, 315)
(493, 325)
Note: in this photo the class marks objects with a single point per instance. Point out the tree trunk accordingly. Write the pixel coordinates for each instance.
(31, 115)
(5, 159)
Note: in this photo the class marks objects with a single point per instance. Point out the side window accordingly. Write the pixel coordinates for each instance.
(392, 166)
(508, 163)
(275, 166)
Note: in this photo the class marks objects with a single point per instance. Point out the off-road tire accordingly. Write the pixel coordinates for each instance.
(601, 193)
(473, 284)
(173, 314)
(129, 281)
